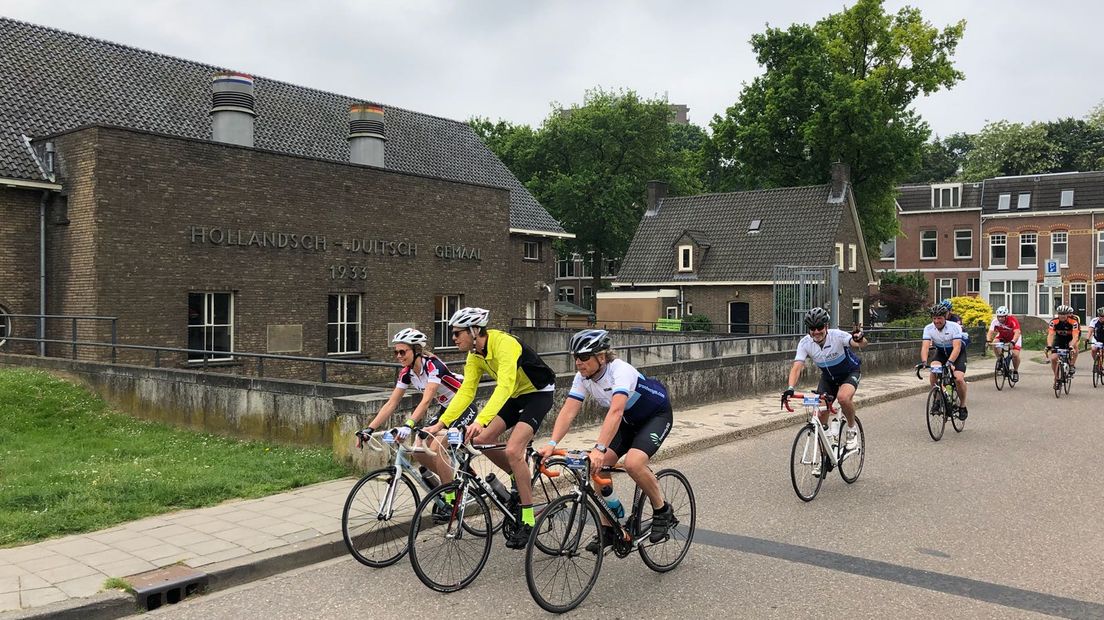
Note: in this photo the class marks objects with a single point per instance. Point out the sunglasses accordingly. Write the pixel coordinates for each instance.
(456, 333)
(401, 352)
(818, 329)
(584, 357)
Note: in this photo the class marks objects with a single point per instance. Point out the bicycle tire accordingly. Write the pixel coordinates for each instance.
(958, 424)
(371, 540)
(936, 412)
(1098, 375)
(999, 376)
(667, 554)
(425, 536)
(847, 458)
(564, 528)
(1067, 383)
(800, 470)
(481, 467)
(1058, 382)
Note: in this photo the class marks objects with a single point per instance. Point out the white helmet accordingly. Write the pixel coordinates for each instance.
(410, 336)
(1064, 310)
(470, 317)
(1002, 311)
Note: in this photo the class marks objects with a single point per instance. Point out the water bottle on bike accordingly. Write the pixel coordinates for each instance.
(613, 502)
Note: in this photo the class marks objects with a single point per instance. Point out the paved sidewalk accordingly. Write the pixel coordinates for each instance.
(245, 540)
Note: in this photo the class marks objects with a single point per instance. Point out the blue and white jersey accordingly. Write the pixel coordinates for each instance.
(944, 338)
(834, 358)
(647, 397)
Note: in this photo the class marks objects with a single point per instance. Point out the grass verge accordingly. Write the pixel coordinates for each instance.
(69, 464)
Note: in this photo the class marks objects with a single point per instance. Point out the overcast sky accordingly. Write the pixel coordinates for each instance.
(1024, 60)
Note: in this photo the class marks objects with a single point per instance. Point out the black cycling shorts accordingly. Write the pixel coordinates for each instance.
(647, 437)
(529, 408)
(943, 355)
(832, 386)
(463, 421)
(1062, 342)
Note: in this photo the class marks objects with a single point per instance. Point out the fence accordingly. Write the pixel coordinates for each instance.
(797, 289)
(581, 322)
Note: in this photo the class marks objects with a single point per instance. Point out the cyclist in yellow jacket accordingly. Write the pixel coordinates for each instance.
(523, 394)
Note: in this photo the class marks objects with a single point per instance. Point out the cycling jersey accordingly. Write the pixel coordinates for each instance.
(1005, 330)
(1064, 330)
(943, 338)
(434, 371)
(952, 317)
(1096, 330)
(835, 357)
(517, 369)
(647, 397)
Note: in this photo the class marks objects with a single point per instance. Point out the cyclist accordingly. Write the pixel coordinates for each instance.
(955, 318)
(950, 349)
(1096, 334)
(831, 350)
(425, 372)
(638, 418)
(1005, 328)
(1064, 332)
(521, 399)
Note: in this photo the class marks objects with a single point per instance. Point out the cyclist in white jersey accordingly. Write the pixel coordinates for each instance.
(950, 349)
(1096, 333)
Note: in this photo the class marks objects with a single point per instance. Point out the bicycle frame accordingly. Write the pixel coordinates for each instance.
(1004, 350)
(399, 464)
(463, 456)
(814, 404)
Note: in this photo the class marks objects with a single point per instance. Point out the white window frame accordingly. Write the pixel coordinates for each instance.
(946, 195)
(1004, 201)
(342, 323)
(969, 237)
(839, 257)
(993, 238)
(1023, 200)
(1050, 297)
(685, 258)
(1067, 198)
(444, 306)
(853, 253)
(1055, 235)
(935, 244)
(973, 285)
(1026, 239)
(526, 254)
(565, 267)
(951, 286)
(566, 293)
(208, 326)
(857, 304)
(689, 309)
(5, 325)
(1100, 249)
(1099, 295)
(882, 249)
(1004, 297)
(671, 312)
(586, 297)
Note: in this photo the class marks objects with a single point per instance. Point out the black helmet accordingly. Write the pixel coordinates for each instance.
(938, 310)
(589, 341)
(817, 317)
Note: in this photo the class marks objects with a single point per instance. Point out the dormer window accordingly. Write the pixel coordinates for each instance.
(946, 196)
(685, 258)
(753, 227)
(1067, 198)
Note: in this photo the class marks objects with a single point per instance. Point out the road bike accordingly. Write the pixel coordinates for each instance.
(448, 550)
(564, 554)
(942, 402)
(1004, 369)
(815, 452)
(1063, 380)
(1098, 369)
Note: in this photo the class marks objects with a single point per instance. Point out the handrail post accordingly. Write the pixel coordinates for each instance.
(674, 353)
(260, 366)
(74, 338)
(324, 376)
(114, 338)
(157, 358)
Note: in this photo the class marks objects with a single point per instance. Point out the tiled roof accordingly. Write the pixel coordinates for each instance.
(919, 197)
(798, 227)
(1046, 192)
(51, 81)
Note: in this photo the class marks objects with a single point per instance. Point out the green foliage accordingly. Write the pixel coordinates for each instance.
(1002, 148)
(911, 279)
(697, 323)
(71, 465)
(1035, 341)
(975, 312)
(941, 160)
(915, 320)
(840, 90)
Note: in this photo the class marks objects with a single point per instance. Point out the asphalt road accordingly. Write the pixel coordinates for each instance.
(1003, 520)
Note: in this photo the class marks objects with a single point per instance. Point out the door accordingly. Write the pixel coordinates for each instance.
(1079, 299)
(738, 313)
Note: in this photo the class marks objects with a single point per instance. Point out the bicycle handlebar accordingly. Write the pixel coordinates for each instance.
(828, 400)
(594, 475)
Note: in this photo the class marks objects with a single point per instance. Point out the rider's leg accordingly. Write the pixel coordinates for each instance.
(532, 409)
(846, 399)
(1054, 365)
(1016, 359)
(1073, 356)
(960, 381)
(489, 435)
(636, 464)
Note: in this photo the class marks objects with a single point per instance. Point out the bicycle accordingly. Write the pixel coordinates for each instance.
(1098, 370)
(557, 558)
(815, 453)
(1003, 371)
(1064, 379)
(942, 402)
(450, 558)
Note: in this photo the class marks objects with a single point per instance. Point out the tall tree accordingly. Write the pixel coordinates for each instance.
(515, 145)
(1002, 149)
(839, 90)
(1078, 145)
(942, 159)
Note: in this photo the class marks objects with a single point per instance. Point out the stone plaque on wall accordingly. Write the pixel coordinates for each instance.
(394, 328)
(285, 338)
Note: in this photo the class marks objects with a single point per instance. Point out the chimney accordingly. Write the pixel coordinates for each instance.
(366, 134)
(841, 177)
(232, 108)
(657, 191)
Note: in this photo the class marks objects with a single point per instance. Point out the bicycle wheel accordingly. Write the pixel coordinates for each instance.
(1098, 374)
(664, 556)
(559, 570)
(376, 534)
(481, 467)
(851, 462)
(547, 488)
(998, 374)
(1059, 382)
(958, 423)
(447, 557)
(937, 412)
(1067, 383)
(806, 463)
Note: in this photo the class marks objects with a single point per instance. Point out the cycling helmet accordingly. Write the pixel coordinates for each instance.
(1100, 311)
(410, 336)
(938, 310)
(817, 317)
(590, 341)
(1002, 311)
(470, 317)
(946, 303)
(1064, 310)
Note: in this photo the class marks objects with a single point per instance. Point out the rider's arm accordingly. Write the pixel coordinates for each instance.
(427, 399)
(989, 334)
(507, 352)
(795, 373)
(956, 350)
(388, 408)
(570, 409)
(473, 372)
(613, 418)
(1050, 335)
(924, 346)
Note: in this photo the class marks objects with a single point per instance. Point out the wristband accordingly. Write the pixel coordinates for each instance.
(552, 442)
(790, 387)
(410, 422)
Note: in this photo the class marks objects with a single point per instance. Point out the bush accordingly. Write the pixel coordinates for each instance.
(974, 311)
(697, 323)
(916, 320)
(902, 294)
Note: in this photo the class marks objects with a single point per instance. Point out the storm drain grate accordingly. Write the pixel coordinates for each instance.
(171, 585)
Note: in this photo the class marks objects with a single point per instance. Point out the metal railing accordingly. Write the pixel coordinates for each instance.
(70, 318)
(734, 329)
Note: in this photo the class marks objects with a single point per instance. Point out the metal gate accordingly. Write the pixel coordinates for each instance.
(799, 288)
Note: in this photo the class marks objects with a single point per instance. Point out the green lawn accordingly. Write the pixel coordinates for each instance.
(69, 464)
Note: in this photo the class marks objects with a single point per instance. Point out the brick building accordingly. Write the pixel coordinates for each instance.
(212, 210)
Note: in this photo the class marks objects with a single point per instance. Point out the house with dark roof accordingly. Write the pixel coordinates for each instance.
(715, 255)
(209, 209)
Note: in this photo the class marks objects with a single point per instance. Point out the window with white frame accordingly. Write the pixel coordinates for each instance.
(1029, 250)
(689, 309)
(946, 195)
(210, 326)
(1100, 249)
(857, 311)
(1079, 298)
(672, 312)
(888, 250)
(1010, 293)
(945, 288)
(1004, 201)
(1059, 247)
(964, 244)
(444, 306)
(343, 323)
(5, 325)
(588, 298)
(1067, 198)
(586, 264)
(928, 245)
(566, 293)
(531, 250)
(973, 285)
(998, 255)
(1023, 201)
(685, 258)
(839, 257)
(852, 250)
(1050, 297)
(565, 268)
(1099, 295)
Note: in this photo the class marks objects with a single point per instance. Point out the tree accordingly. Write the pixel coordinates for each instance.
(839, 90)
(515, 145)
(941, 160)
(902, 293)
(1004, 149)
(1078, 145)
